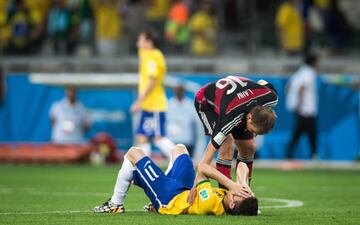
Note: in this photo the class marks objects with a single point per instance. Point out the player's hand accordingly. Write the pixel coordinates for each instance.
(241, 190)
(135, 107)
(192, 195)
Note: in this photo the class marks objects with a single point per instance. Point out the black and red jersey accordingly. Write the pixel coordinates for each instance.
(231, 98)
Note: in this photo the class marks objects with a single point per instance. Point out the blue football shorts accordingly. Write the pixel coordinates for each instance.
(161, 188)
(152, 124)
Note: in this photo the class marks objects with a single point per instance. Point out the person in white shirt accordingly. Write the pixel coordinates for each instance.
(69, 119)
(182, 119)
(302, 99)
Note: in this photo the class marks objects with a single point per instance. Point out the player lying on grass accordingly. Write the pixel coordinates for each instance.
(169, 193)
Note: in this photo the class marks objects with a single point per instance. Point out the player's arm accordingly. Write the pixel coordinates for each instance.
(148, 89)
(242, 174)
(301, 97)
(206, 171)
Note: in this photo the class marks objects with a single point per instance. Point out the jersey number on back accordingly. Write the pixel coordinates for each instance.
(230, 80)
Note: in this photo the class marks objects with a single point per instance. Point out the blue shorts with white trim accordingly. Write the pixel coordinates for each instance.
(161, 188)
(152, 124)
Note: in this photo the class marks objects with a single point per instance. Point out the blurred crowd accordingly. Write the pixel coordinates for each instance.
(110, 27)
(303, 25)
(104, 27)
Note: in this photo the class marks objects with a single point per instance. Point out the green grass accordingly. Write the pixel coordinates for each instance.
(329, 197)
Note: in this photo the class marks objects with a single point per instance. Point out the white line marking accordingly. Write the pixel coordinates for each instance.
(288, 203)
(61, 212)
(6, 191)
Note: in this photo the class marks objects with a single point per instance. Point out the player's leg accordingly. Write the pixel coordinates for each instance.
(143, 143)
(123, 180)
(246, 153)
(225, 157)
(182, 169)
(297, 131)
(144, 131)
(160, 188)
(165, 145)
(311, 132)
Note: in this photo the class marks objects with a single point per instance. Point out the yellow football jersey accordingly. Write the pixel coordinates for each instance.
(208, 201)
(152, 65)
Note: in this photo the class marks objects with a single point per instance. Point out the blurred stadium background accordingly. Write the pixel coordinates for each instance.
(46, 45)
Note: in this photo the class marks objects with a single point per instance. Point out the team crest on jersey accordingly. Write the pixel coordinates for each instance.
(204, 194)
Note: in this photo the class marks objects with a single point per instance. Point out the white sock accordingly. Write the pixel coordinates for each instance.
(166, 146)
(123, 180)
(146, 147)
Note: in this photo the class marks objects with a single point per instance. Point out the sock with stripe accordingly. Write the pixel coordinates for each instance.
(224, 167)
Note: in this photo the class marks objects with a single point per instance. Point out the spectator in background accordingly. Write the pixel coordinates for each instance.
(203, 27)
(176, 27)
(108, 26)
(5, 29)
(290, 27)
(337, 27)
(182, 119)
(156, 16)
(59, 27)
(39, 10)
(302, 100)
(26, 28)
(69, 119)
(134, 22)
(80, 26)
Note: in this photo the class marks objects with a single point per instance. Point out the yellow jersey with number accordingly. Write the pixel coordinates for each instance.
(152, 65)
(208, 201)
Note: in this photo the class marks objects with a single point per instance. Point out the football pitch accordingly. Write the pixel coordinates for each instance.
(65, 194)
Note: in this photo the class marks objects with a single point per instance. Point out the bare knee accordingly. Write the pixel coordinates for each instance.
(178, 150)
(134, 154)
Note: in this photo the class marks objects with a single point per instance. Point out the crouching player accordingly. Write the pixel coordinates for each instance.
(169, 193)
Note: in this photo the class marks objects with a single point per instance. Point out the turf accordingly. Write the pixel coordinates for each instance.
(34, 194)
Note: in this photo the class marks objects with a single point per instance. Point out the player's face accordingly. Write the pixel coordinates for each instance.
(230, 199)
(251, 128)
(141, 42)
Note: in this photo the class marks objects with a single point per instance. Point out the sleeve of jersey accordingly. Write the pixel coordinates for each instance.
(152, 68)
(272, 100)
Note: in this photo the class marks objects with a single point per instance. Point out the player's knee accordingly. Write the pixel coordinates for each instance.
(134, 154)
(180, 149)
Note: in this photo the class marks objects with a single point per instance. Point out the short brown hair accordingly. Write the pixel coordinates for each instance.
(151, 36)
(246, 207)
(263, 118)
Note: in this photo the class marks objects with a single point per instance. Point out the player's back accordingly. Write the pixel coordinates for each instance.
(152, 65)
(235, 93)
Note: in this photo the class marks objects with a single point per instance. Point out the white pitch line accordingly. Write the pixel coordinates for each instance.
(288, 203)
(60, 212)
(5, 191)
